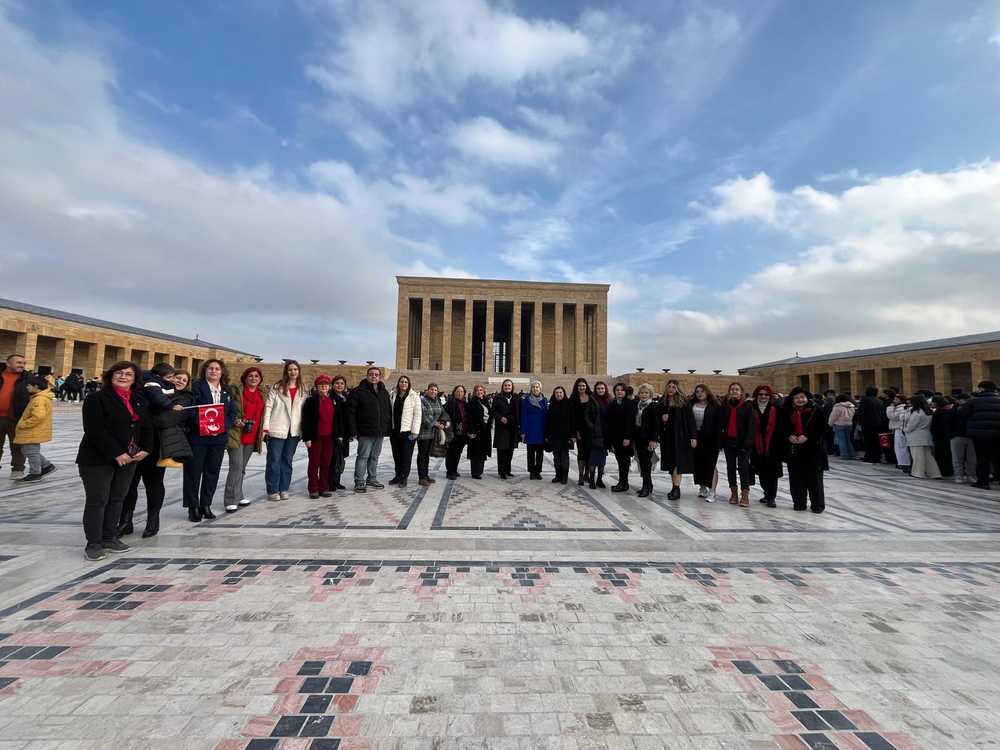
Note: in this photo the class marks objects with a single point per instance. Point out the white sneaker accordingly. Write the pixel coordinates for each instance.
(710, 496)
(283, 495)
(702, 491)
(273, 497)
(959, 479)
(243, 503)
(231, 508)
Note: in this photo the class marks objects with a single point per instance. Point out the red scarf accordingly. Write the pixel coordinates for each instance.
(733, 413)
(797, 419)
(762, 438)
(125, 394)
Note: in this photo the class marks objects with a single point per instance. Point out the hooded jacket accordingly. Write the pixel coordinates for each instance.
(35, 424)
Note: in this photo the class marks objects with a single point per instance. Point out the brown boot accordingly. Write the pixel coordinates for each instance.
(745, 499)
(425, 482)
(734, 498)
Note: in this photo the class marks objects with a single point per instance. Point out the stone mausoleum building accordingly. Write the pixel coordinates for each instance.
(58, 342)
(501, 327)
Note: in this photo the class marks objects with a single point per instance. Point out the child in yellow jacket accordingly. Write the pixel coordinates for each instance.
(35, 428)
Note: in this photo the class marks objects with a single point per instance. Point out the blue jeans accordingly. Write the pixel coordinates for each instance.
(366, 462)
(843, 434)
(278, 469)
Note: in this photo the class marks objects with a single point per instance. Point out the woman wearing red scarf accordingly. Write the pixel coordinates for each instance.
(246, 436)
(737, 438)
(765, 455)
(805, 427)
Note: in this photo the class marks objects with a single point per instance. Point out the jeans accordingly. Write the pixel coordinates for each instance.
(278, 468)
(366, 462)
(320, 456)
(7, 425)
(737, 462)
(201, 474)
(239, 457)
(424, 457)
(36, 461)
(402, 454)
(842, 432)
(963, 457)
(104, 487)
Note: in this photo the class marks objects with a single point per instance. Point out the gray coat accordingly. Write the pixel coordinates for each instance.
(917, 428)
(431, 412)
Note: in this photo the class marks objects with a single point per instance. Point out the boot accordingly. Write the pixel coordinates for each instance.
(125, 524)
(674, 494)
(734, 498)
(646, 490)
(206, 512)
(169, 463)
(558, 477)
(622, 486)
(193, 515)
(590, 478)
(565, 475)
(745, 498)
(600, 478)
(581, 472)
(152, 526)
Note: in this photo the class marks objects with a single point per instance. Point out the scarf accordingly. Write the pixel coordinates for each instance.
(762, 438)
(125, 394)
(640, 408)
(253, 402)
(734, 410)
(535, 401)
(461, 415)
(797, 419)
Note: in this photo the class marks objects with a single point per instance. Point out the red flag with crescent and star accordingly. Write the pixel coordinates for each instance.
(211, 420)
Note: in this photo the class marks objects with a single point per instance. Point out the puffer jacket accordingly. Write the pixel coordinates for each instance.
(982, 415)
(410, 419)
(431, 412)
(917, 428)
(171, 434)
(283, 414)
(35, 424)
(842, 415)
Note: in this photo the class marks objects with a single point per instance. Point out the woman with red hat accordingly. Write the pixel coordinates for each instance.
(246, 436)
(318, 414)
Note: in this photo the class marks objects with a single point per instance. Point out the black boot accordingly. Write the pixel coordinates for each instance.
(206, 512)
(622, 486)
(152, 526)
(675, 493)
(565, 475)
(590, 478)
(581, 472)
(646, 489)
(558, 477)
(193, 515)
(125, 524)
(600, 478)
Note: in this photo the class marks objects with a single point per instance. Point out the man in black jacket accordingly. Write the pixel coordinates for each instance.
(13, 401)
(870, 414)
(369, 420)
(982, 415)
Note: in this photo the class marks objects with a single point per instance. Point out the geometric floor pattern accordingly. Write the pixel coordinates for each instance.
(509, 614)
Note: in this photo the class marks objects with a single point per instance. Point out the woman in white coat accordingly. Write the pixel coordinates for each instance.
(896, 414)
(406, 414)
(282, 427)
(919, 441)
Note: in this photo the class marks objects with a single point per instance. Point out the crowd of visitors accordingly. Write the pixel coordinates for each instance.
(138, 425)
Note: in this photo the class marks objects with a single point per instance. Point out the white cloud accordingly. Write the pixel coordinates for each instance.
(486, 139)
(744, 198)
(386, 53)
(550, 123)
(531, 241)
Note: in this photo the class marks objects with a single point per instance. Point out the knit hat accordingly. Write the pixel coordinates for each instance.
(320, 379)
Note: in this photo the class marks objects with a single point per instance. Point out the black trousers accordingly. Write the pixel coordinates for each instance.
(624, 458)
(645, 456)
(104, 486)
(201, 474)
(337, 463)
(454, 455)
(737, 462)
(151, 476)
(560, 459)
(424, 457)
(402, 453)
(476, 466)
(504, 458)
(805, 481)
(536, 457)
(873, 450)
(706, 458)
(768, 483)
(987, 457)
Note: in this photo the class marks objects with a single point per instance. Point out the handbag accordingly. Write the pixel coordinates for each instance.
(884, 439)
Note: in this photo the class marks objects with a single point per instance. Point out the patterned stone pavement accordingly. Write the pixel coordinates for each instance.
(513, 614)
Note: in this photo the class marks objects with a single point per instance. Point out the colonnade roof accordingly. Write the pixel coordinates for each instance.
(968, 340)
(446, 283)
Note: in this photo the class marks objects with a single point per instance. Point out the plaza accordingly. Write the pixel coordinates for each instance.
(510, 614)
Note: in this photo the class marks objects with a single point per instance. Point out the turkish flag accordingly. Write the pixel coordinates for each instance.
(211, 420)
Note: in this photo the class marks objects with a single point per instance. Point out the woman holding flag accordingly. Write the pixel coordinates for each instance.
(208, 432)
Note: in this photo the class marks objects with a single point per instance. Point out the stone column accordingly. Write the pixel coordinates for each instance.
(601, 339)
(402, 331)
(95, 360)
(515, 339)
(488, 368)
(27, 344)
(856, 383)
(425, 333)
(446, 336)
(581, 340)
(942, 379)
(907, 380)
(558, 324)
(63, 363)
(467, 344)
(832, 375)
(536, 339)
(976, 365)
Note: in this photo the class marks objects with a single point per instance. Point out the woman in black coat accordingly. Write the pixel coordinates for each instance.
(804, 425)
(940, 427)
(768, 443)
(586, 428)
(648, 418)
(704, 409)
(677, 436)
(201, 471)
(619, 431)
(480, 444)
(457, 409)
(117, 435)
(341, 436)
(736, 433)
(559, 431)
(506, 426)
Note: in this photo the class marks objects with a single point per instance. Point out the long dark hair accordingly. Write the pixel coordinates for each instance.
(919, 402)
(606, 398)
(465, 392)
(224, 380)
(558, 388)
(409, 385)
(710, 398)
(679, 400)
(575, 396)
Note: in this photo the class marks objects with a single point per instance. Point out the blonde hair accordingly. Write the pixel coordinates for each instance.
(645, 387)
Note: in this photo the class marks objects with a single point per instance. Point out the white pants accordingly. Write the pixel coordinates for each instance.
(924, 464)
(963, 457)
(900, 449)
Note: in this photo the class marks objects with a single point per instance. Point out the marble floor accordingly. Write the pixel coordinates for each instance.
(505, 614)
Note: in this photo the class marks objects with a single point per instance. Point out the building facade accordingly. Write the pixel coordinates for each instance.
(494, 327)
(57, 342)
(939, 365)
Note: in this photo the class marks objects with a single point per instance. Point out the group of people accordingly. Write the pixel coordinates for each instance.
(139, 425)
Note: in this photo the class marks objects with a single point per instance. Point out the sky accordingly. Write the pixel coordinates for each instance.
(752, 179)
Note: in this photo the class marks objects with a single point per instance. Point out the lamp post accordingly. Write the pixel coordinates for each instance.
(342, 361)
(717, 372)
(369, 362)
(692, 371)
(640, 369)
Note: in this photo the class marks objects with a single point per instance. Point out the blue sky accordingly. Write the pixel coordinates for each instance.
(753, 179)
